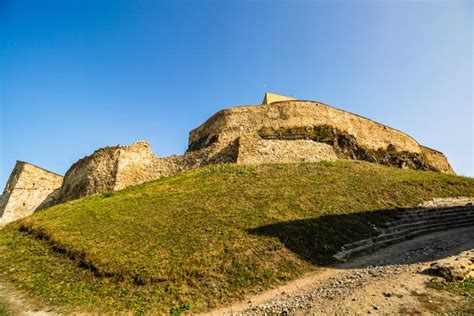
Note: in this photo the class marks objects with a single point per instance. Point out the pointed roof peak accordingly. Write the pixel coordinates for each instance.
(273, 97)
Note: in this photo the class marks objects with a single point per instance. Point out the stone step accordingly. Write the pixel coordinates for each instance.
(431, 219)
(432, 214)
(371, 245)
(418, 210)
(406, 228)
(441, 213)
(426, 224)
(433, 210)
(424, 211)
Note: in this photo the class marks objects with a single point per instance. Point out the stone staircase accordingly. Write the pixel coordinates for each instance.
(412, 223)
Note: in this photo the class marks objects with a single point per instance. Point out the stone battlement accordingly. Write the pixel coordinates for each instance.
(280, 130)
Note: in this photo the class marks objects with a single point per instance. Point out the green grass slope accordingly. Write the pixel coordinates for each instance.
(209, 236)
(4, 311)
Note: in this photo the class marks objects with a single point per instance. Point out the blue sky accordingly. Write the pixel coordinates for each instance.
(79, 75)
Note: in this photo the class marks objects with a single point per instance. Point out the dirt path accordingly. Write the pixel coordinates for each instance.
(17, 303)
(390, 281)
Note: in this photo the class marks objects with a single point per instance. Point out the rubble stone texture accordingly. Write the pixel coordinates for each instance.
(443, 202)
(437, 159)
(352, 136)
(27, 187)
(455, 268)
(258, 151)
(112, 169)
(229, 124)
(281, 130)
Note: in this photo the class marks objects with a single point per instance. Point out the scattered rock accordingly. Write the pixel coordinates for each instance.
(440, 202)
(455, 268)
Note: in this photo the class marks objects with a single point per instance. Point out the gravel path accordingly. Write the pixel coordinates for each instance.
(390, 281)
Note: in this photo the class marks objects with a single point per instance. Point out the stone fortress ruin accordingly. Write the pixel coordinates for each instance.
(280, 130)
(27, 188)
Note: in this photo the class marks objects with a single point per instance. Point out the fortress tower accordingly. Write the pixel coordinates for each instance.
(27, 188)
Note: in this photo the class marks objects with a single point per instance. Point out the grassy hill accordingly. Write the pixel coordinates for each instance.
(209, 236)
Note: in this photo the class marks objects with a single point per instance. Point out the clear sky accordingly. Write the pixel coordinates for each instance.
(79, 75)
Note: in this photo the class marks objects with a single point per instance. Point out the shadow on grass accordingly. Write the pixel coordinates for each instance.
(316, 240)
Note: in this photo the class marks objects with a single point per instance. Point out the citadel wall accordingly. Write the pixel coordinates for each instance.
(135, 164)
(352, 136)
(257, 151)
(230, 123)
(277, 132)
(113, 168)
(27, 187)
(437, 159)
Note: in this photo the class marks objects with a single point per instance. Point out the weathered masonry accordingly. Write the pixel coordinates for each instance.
(280, 130)
(27, 188)
(272, 129)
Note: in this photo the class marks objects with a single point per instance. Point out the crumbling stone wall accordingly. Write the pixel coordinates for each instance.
(111, 169)
(253, 150)
(437, 159)
(115, 168)
(27, 187)
(278, 132)
(356, 137)
(346, 147)
(230, 123)
(135, 164)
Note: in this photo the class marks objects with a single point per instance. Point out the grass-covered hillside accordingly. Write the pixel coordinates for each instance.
(209, 236)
